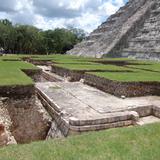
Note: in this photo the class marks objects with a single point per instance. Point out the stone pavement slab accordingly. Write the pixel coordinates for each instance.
(81, 100)
(87, 108)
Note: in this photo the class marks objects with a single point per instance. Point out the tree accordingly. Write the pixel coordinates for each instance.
(6, 30)
(80, 33)
(28, 39)
(6, 22)
(60, 40)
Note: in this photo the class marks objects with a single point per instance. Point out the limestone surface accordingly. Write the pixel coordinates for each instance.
(79, 107)
(132, 31)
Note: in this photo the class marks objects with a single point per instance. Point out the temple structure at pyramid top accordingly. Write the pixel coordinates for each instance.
(133, 31)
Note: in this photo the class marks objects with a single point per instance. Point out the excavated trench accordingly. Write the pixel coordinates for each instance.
(29, 120)
(24, 119)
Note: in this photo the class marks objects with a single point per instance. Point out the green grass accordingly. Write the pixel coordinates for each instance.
(93, 66)
(135, 71)
(13, 57)
(136, 76)
(144, 71)
(154, 66)
(11, 74)
(134, 143)
(140, 143)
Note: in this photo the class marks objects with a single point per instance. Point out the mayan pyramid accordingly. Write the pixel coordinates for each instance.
(133, 31)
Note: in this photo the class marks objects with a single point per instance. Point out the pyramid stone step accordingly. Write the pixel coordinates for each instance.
(141, 50)
(147, 39)
(136, 25)
(94, 36)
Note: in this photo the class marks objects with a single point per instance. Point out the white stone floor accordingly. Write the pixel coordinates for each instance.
(86, 103)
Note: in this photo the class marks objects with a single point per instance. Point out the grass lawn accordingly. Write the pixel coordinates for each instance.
(135, 76)
(134, 143)
(93, 66)
(11, 74)
(154, 66)
(134, 70)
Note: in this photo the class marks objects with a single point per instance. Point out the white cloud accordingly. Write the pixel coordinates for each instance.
(49, 14)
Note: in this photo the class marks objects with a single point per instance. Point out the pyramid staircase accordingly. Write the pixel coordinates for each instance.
(132, 30)
(146, 42)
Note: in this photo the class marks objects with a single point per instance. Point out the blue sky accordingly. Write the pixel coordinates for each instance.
(50, 14)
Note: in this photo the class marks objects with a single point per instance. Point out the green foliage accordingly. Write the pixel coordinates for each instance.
(133, 143)
(81, 34)
(6, 22)
(31, 40)
(59, 40)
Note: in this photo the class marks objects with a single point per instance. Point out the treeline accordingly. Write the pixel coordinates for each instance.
(26, 39)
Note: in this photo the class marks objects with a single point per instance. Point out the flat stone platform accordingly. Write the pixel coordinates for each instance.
(148, 120)
(80, 107)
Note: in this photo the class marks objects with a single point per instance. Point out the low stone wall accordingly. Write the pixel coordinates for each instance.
(62, 127)
(72, 126)
(17, 91)
(128, 89)
(47, 76)
(74, 75)
(156, 111)
(113, 120)
(39, 62)
(144, 111)
(77, 130)
(141, 55)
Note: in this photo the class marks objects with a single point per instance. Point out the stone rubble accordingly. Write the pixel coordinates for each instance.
(54, 132)
(6, 137)
(30, 121)
(23, 120)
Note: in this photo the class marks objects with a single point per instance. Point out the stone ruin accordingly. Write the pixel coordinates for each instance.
(133, 31)
(58, 106)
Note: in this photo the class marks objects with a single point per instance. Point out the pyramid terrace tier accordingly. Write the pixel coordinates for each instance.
(121, 25)
(147, 39)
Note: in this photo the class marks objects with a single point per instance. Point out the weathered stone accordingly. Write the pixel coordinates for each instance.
(72, 75)
(54, 132)
(3, 136)
(133, 30)
(123, 89)
(135, 116)
(47, 75)
(11, 141)
(77, 108)
(6, 136)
